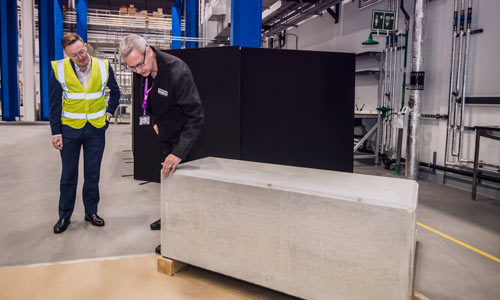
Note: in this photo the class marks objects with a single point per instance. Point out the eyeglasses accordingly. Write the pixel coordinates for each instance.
(139, 65)
(80, 53)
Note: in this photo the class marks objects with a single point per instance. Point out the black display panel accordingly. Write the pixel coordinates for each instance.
(297, 108)
(216, 72)
(277, 106)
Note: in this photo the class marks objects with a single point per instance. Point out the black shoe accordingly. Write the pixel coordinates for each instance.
(156, 225)
(94, 219)
(61, 225)
(158, 249)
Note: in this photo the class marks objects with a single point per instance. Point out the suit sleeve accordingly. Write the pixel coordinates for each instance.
(189, 100)
(55, 104)
(114, 93)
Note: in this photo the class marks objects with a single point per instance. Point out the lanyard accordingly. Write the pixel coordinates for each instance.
(146, 93)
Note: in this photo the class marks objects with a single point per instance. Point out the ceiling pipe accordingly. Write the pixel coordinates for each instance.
(300, 15)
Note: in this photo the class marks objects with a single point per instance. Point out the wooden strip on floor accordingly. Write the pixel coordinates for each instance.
(124, 278)
(130, 277)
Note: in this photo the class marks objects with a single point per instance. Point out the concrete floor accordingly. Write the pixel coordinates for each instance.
(444, 268)
(29, 175)
(29, 183)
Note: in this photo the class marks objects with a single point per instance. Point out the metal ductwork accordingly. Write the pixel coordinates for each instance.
(417, 79)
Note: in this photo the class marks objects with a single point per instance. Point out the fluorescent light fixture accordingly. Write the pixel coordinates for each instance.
(271, 9)
(310, 18)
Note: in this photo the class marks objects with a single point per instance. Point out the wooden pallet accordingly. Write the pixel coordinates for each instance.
(416, 295)
(169, 267)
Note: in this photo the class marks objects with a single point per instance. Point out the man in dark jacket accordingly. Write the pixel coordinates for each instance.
(171, 102)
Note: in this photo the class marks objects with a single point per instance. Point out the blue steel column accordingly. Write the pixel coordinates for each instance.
(191, 17)
(81, 19)
(50, 23)
(9, 59)
(246, 23)
(176, 23)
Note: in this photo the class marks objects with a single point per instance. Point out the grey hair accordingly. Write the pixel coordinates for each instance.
(131, 42)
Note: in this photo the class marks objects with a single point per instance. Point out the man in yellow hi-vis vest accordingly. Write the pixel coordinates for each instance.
(80, 119)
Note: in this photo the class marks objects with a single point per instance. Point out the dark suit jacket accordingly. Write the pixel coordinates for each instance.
(174, 103)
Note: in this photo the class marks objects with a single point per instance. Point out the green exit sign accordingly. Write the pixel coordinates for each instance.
(383, 20)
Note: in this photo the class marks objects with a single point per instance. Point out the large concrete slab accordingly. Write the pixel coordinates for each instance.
(310, 233)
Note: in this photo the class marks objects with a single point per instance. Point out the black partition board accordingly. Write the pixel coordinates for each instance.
(277, 106)
(216, 72)
(297, 108)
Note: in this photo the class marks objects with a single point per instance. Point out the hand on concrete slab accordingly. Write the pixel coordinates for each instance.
(155, 127)
(169, 165)
(57, 142)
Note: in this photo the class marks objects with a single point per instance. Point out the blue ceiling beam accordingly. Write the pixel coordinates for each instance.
(246, 23)
(9, 60)
(191, 17)
(176, 23)
(81, 19)
(50, 26)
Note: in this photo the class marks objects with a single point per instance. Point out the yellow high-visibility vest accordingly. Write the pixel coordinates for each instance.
(80, 105)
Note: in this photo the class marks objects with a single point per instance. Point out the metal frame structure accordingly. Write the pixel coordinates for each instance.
(378, 125)
(105, 29)
(291, 13)
(392, 75)
(487, 132)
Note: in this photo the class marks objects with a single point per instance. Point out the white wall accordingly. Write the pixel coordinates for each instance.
(321, 33)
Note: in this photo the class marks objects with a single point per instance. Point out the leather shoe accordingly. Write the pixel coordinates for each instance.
(61, 225)
(156, 225)
(158, 249)
(94, 219)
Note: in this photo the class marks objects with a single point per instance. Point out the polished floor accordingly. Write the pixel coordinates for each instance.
(29, 183)
(124, 278)
(464, 261)
(457, 254)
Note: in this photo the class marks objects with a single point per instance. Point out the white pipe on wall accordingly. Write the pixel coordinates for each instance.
(28, 67)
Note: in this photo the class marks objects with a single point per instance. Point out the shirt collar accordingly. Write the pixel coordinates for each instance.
(89, 65)
(160, 59)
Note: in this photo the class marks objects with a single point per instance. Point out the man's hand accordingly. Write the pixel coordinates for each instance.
(108, 117)
(57, 142)
(169, 165)
(155, 127)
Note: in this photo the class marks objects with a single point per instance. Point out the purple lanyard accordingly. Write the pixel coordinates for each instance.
(146, 93)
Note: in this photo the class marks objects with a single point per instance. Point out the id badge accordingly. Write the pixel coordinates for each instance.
(144, 120)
